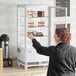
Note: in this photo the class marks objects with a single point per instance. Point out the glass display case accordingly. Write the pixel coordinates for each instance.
(40, 21)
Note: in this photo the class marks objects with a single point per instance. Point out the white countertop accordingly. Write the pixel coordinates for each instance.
(15, 70)
(10, 70)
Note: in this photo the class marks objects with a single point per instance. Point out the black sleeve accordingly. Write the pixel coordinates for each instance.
(74, 54)
(41, 49)
(75, 57)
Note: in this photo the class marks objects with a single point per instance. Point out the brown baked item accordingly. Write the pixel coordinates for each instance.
(30, 24)
(41, 23)
(40, 13)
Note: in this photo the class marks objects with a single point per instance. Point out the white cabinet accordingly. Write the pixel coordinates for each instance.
(13, 74)
(24, 74)
(40, 74)
(27, 74)
(40, 20)
(17, 74)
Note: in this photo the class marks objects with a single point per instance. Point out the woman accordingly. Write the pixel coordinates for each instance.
(62, 57)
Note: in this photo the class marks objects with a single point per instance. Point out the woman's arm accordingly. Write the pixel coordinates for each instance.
(40, 49)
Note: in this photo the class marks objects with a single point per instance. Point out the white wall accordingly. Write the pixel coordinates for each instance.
(8, 25)
(73, 22)
(26, 2)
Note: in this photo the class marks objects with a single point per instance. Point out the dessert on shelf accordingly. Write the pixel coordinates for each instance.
(41, 23)
(31, 24)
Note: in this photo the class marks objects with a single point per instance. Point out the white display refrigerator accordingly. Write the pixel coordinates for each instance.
(40, 20)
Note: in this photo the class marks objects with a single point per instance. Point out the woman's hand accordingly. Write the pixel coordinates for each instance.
(30, 36)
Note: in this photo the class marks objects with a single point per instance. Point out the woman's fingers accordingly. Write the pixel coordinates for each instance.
(30, 35)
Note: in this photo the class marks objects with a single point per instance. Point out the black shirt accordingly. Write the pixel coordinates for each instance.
(62, 58)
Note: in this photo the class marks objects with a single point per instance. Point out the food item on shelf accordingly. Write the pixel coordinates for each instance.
(29, 32)
(41, 23)
(29, 13)
(31, 24)
(40, 13)
(34, 34)
(32, 14)
(37, 34)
